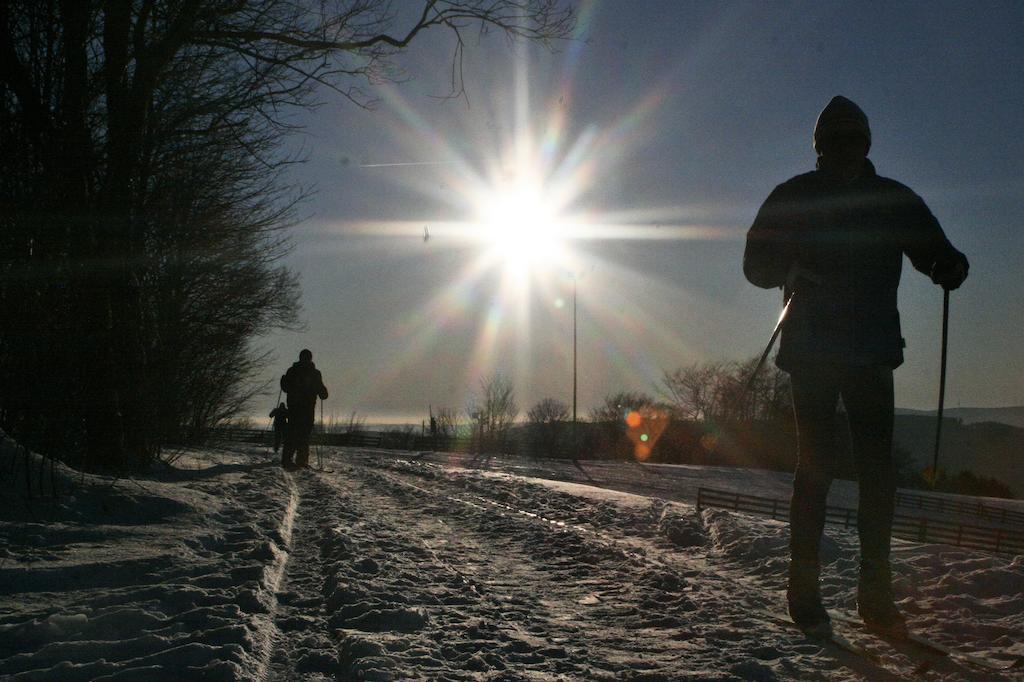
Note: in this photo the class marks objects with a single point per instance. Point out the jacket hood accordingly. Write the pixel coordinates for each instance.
(840, 114)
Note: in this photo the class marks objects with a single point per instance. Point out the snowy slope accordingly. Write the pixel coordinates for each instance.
(396, 567)
(1012, 415)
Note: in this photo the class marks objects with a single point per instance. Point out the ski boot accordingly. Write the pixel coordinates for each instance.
(875, 602)
(803, 597)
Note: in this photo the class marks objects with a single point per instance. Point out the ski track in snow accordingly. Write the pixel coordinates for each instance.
(394, 567)
(275, 575)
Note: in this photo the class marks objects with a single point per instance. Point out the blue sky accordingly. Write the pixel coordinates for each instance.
(657, 134)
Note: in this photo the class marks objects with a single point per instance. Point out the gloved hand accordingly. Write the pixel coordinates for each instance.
(798, 277)
(950, 273)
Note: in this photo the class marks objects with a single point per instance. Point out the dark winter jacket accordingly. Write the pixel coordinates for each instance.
(303, 384)
(852, 237)
(280, 417)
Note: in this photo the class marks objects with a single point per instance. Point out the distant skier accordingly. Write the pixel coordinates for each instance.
(837, 236)
(280, 416)
(304, 384)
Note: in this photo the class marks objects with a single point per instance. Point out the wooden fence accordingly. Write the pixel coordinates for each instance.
(917, 529)
(942, 504)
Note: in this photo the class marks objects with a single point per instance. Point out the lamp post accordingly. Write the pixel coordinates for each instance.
(575, 443)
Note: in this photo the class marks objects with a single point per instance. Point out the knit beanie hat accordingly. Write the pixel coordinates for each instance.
(840, 115)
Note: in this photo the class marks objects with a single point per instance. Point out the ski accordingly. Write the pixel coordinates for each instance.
(841, 642)
(318, 470)
(937, 648)
(829, 638)
(836, 640)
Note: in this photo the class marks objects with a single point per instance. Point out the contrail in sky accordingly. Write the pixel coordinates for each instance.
(404, 163)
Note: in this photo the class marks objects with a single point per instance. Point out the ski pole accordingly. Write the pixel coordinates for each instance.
(942, 385)
(319, 454)
(771, 342)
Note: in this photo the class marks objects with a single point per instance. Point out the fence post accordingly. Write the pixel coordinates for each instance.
(999, 538)
(922, 533)
(700, 492)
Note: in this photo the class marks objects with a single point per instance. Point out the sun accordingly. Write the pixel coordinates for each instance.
(522, 228)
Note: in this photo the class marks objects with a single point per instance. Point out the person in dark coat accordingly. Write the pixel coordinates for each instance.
(835, 239)
(304, 384)
(280, 416)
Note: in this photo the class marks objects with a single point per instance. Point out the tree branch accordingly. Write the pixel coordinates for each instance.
(15, 75)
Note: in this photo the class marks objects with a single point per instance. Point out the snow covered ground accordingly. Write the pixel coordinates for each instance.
(429, 567)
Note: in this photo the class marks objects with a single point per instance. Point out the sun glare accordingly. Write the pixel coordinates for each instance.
(526, 203)
(521, 227)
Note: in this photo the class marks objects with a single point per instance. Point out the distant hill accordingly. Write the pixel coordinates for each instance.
(1014, 416)
(987, 448)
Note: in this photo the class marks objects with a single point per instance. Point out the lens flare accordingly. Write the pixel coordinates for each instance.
(525, 196)
(643, 428)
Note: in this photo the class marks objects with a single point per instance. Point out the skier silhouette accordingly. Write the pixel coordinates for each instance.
(304, 384)
(837, 235)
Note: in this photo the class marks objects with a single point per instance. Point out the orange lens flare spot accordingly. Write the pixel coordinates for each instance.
(709, 442)
(643, 428)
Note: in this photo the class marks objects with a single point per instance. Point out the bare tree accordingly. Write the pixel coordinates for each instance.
(493, 412)
(773, 394)
(616, 407)
(448, 423)
(548, 420)
(106, 108)
(691, 390)
(718, 391)
(210, 281)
